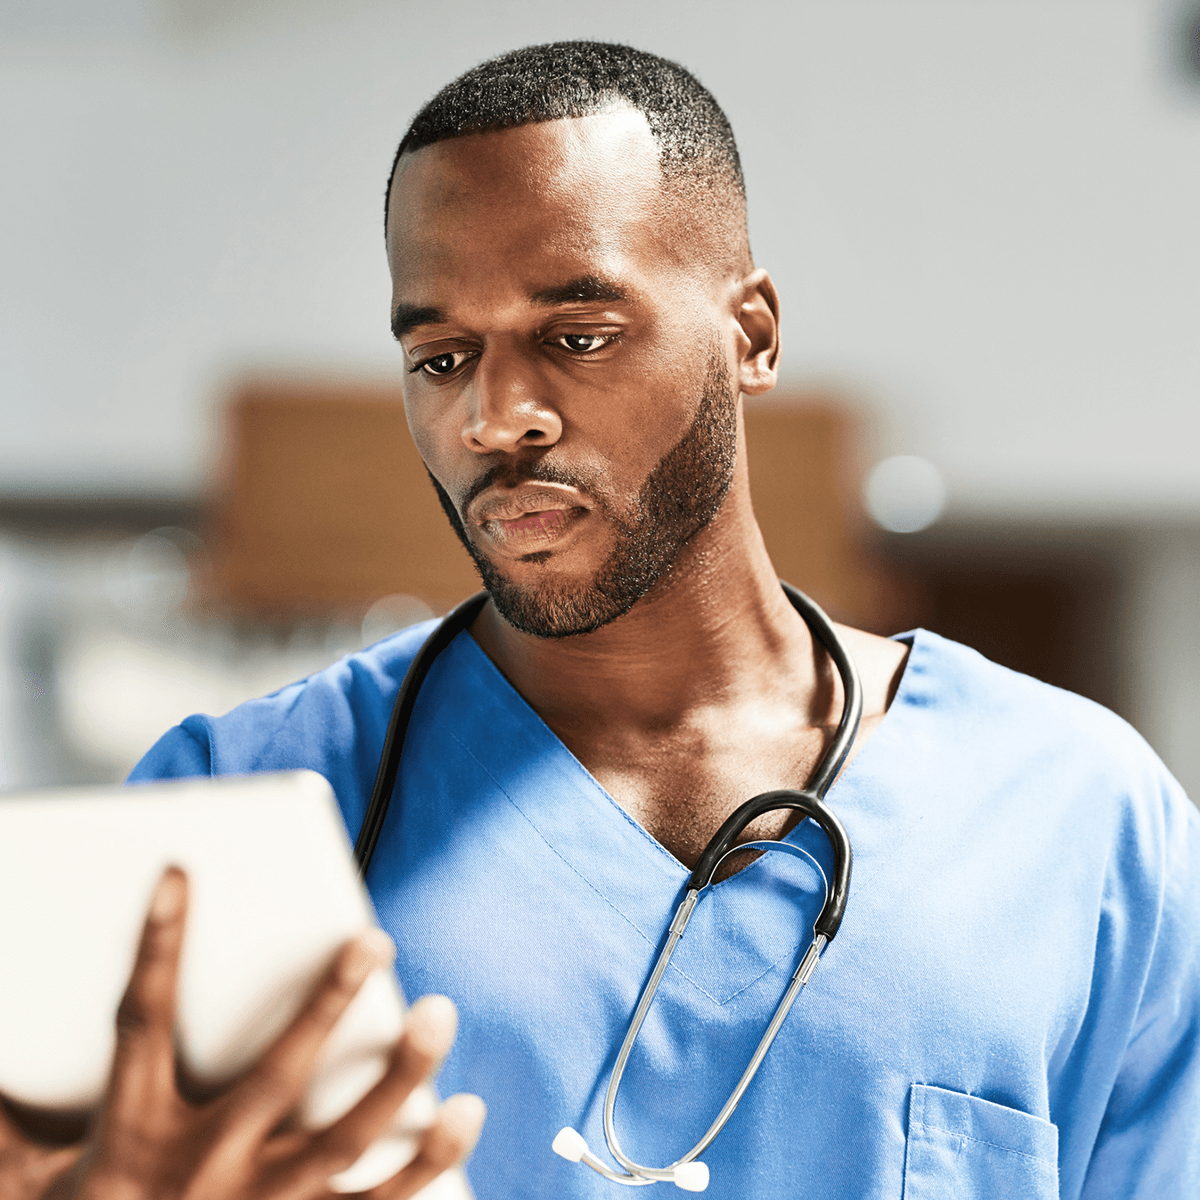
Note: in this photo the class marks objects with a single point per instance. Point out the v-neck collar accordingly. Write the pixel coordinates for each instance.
(758, 915)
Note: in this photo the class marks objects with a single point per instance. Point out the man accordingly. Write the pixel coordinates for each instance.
(1010, 1008)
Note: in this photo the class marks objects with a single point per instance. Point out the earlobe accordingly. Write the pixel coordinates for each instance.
(758, 316)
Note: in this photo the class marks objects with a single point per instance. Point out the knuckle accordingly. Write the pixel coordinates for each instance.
(133, 1018)
(440, 1152)
(414, 1056)
(447, 1140)
(336, 1149)
(437, 1152)
(268, 1084)
(322, 1011)
(159, 940)
(329, 1003)
(428, 1163)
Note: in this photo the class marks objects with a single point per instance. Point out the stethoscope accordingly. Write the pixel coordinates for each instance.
(684, 1172)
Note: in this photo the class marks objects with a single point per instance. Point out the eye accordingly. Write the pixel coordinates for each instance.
(442, 364)
(583, 343)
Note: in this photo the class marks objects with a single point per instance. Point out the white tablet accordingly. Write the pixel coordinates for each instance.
(273, 893)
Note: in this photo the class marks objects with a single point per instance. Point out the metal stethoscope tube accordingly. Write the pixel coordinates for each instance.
(684, 1172)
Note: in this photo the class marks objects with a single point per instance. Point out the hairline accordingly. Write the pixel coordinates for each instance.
(608, 101)
(672, 185)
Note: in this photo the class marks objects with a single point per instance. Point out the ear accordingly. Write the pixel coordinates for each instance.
(758, 316)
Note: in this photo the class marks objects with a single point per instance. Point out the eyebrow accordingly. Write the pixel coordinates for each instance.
(408, 317)
(587, 289)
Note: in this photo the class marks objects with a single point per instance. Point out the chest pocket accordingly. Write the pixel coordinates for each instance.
(961, 1147)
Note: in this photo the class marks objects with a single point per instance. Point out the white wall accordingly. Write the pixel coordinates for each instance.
(982, 215)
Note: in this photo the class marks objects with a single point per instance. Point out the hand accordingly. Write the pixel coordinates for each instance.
(27, 1166)
(148, 1142)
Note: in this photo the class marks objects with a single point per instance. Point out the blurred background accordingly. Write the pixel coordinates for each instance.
(983, 217)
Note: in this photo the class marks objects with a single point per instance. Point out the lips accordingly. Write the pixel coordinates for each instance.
(511, 504)
(529, 517)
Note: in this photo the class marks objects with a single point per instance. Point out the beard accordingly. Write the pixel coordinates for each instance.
(679, 497)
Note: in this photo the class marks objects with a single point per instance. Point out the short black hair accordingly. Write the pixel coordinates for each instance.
(576, 79)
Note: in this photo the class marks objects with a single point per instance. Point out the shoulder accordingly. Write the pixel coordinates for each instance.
(332, 722)
(962, 686)
(1088, 771)
(1091, 822)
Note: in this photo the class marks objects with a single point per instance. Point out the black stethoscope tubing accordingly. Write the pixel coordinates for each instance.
(451, 626)
(810, 801)
(687, 1172)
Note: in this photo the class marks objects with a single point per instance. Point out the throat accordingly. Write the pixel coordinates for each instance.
(685, 839)
(682, 795)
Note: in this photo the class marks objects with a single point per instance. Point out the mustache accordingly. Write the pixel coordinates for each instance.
(512, 474)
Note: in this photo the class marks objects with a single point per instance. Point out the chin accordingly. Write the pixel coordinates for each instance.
(555, 606)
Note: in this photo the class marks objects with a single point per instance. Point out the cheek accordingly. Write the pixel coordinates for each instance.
(653, 425)
(436, 437)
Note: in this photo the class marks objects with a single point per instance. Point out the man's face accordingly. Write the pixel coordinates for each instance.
(568, 380)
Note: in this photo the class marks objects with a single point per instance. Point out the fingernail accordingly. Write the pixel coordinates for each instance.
(370, 949)
(167, 902)
(379, 943)
(432, 1023)
(466, 1113)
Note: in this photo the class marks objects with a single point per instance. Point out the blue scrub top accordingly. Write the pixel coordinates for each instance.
(1011, 1007)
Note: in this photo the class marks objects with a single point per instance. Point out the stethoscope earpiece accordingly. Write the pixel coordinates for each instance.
(569, 1144)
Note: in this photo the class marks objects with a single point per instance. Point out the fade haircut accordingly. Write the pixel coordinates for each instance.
(697, 154)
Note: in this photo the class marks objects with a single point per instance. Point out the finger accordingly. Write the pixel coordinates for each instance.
(275, 1085)
(38, 1171)
(447, 1142)
(10, 1133)
(32, 1153)
(144, 1062)
(429, 1030)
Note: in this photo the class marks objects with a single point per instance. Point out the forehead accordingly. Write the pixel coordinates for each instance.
(576, 196)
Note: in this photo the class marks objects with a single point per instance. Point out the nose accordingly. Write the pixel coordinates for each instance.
(507, 406)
